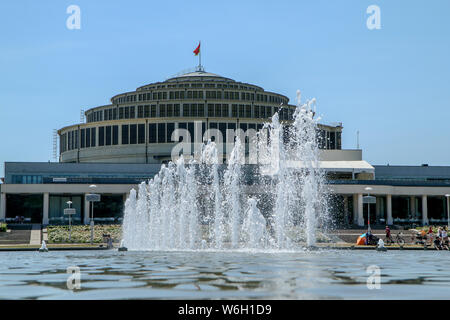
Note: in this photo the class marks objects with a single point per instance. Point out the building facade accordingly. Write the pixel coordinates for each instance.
(138, 126)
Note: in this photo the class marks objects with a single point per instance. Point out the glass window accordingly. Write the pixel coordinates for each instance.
(170, 128)
(193, 110)
(210, 110)
(82, 138)
(88, 137)
(176, 110)
(121, 113)
(125, 134)
(108, 135)
(115, 135)
(127, 112)
(161, 132)
(132, 112)
(223, 130)
(153, 111)
(162, 110)
(212, 125)
(191, 129)
(101, 136)
(186, 110)
(201, 110)
(241, 111)
(141, 133)
(133, 134)
(256, 111)
(146, 111)
(225, 110)
(140, 111)
(332, 140)
(339, 140)
(234, 112)
(152, 133)
(218, 110)
(170, 110)
(181, 125)
(248, 111)
(93, 137)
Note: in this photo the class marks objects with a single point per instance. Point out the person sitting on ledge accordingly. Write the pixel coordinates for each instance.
(438, 239)
(444, 240)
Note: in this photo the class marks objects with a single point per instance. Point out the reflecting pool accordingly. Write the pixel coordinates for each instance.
(326, 274)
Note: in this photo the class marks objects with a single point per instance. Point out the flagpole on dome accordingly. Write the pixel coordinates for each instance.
(198, 53)
(199, 56)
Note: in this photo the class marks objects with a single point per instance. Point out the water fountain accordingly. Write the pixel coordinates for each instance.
(201, 204)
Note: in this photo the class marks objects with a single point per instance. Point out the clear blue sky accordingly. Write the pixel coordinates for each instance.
(393, 84)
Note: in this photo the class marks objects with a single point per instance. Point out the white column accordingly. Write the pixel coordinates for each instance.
(360, 210)
(86, 210)
(424, 210)
(3, 207)
(355, 209)
(389, 220)
(46, 206)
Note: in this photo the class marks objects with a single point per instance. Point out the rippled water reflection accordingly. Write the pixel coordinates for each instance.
(225, 275)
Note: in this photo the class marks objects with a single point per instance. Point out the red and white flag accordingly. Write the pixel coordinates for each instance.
(197, 50)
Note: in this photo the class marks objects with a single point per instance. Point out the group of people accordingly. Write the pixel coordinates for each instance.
(439, 240)
(19, 219)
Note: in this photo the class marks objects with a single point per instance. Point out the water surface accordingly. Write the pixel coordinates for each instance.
(336, 274)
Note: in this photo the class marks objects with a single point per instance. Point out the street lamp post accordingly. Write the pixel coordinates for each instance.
(70, 221)
(93, 186)
(448, 211)
(368, 208)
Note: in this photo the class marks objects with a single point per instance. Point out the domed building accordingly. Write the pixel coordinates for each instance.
(137, 126)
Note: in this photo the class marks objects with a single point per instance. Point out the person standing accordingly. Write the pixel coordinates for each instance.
(388, 234)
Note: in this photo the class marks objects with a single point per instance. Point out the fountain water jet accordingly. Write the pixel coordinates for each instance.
(204, 205)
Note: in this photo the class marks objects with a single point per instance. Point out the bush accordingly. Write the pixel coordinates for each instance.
(82, 233)
(2, 227)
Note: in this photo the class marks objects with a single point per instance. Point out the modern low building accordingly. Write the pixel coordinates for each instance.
(125, 142)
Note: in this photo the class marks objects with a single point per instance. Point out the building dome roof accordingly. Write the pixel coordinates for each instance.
(196, 74)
